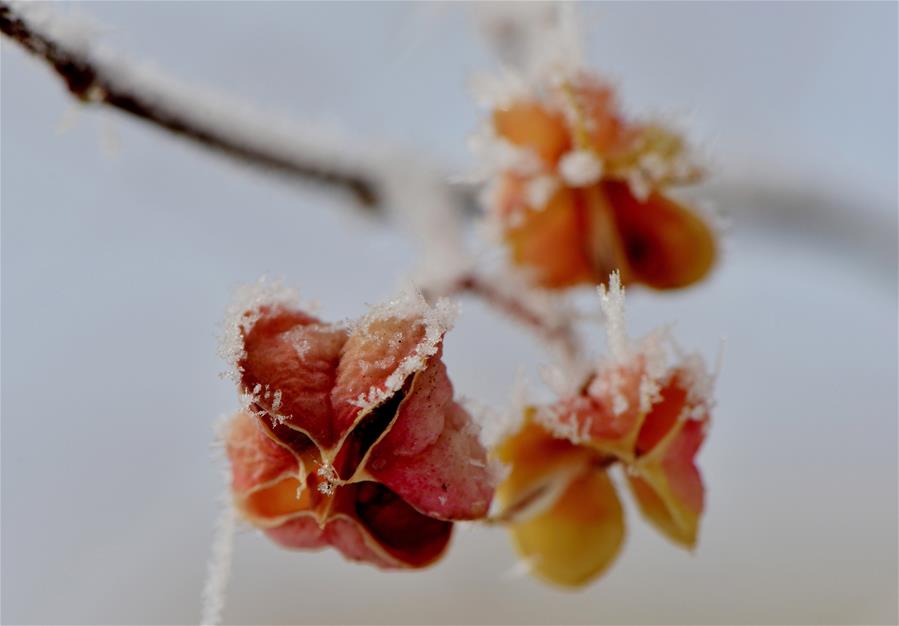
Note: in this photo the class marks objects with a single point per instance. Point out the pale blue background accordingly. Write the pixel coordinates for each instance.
(117, 267)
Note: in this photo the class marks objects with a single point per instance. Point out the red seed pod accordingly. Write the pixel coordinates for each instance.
(587, 191)
(638, 408)
(351, 437)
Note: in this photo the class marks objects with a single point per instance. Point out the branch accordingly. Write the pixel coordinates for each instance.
(545, 316)
(95, 78)
(383, 181)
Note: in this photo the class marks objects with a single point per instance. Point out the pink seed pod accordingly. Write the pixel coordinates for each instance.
(351, 436)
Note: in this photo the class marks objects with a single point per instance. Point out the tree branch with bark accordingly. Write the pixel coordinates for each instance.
(383, 182)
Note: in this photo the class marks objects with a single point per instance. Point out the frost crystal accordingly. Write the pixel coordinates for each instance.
(539, 190)
(638, 184)
(655, 366)
(299, 341)
(559, 380)
(243, 312)
(492, 426)
(218, 570)
(550, 417)
(276, 401)
(329, 478)
(612, 304)
(540, 40)
(520, 569)
(610, 383)
(74, 31)
(580, 168)
(497, 154)
(499, 91)
(410, 305)
(700, 382)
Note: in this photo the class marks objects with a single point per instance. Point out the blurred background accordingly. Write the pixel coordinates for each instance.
(121, 246)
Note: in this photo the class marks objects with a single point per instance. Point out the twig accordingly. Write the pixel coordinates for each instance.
(527, 37)
(557, 330)
(218, 570)
(92, 79)
(383, 181)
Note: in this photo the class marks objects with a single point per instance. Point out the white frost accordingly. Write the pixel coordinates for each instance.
(244, 311)
(539, 190)
(410, 305)
(611, 300)
(580, 168)
(499, 91)
(497, 154)
(218, 570)
(535, 39)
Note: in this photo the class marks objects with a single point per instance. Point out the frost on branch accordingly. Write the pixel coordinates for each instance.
(611, 300)
(219, 567)
(534, 39)
(382, 179)
(647, 406)
(351, 437)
